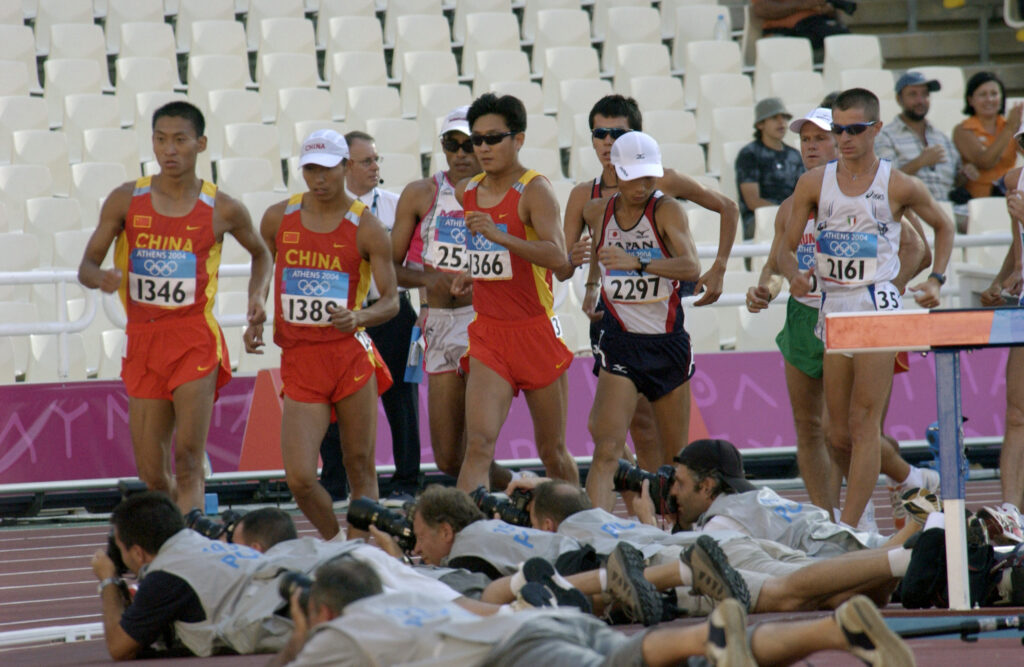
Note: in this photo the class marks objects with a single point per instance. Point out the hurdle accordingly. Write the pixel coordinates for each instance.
(946, 333)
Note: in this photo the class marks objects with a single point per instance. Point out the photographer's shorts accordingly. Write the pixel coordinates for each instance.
(447, 337)
(328, 372)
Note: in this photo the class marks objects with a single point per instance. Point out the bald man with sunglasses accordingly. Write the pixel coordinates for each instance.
(860, 200)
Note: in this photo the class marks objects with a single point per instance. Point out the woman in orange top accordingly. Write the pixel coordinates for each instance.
(985, 139)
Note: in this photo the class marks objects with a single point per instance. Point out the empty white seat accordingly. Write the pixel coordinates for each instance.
(8, 363)
(849, 52)
(14, 79)
(671, 126)
(879, 81)
(495, 66)
(150, 40)
(121, 12)
(696, 23)
(602, 9)
(141, 75)
(668, 9)
(229, 106)
(258, 202)
(951, 78)
(559, 27)
(398, 8)
(52, 12)
(45, 217)
(419, 32)
(547, 161)
(797, 87)
(365, 102)
(987, 214)
(583, 163)
(629, 25)
(48, 148)
(465, 7)
(395, 135)
(18, 43)
(541, 131)
(19, 182)
(436, 100)
(530, 9)
(764, 223)
(488, 30)
(266, 9)
(354, 68)
(219, 38)
(83, 41)
(354, 33)
(342, 10)
(216, 72)
(563, 63)
(727, 183)
(944, 113)
(105, 144)
(707, 57)
(657, 92)
(757, 331)
(20, 113)
(577, 96)
(285, 35)
(285, 70)
(69, 245)
(423, 67)
(635, 60)
(255, 140)
(18, 252)
(779, 54)
(684, 158)
(13, 12)
(92, 182)
(65, 76)
(717, 91)
(43, 365)
(295, 104)
(191, 11)
(239, 175)
(728, 124)
(112, 350)
(399, 169)
(528, 92)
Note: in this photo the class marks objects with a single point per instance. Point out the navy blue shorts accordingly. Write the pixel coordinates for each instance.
(655, 363)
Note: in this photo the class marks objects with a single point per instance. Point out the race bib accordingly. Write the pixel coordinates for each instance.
(633, 287)
(887, 297)
(805, 260)
(448, 247)
(556, 324)
(162, 277)
(488, 260)
(307, 293)
(846, 258)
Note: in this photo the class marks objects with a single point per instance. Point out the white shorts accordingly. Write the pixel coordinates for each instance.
(446, 337)
(882, 296)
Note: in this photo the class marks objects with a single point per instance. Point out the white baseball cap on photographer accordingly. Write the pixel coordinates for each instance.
(326, 148)
(636, 155)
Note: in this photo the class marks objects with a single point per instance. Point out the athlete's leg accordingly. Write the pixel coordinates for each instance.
(837, 380)
(1011, 458)
(548, 407)
(193, 409)
(302, 429)
(488, 397)
(446, 402)
(672, 427)
(872, 379)
(357, 425)
(151, 421)
(644, 431)
(614, 398)
(812, 455)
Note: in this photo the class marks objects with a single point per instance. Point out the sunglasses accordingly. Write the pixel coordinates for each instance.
(853, 129)
(601, 133)
(451, 145)
(489, 139)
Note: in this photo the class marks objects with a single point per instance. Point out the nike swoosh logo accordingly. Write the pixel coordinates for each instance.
(203, 369)
(192, 228)
(359, 377)
(560, 364)
(503, 215)
(339, 245)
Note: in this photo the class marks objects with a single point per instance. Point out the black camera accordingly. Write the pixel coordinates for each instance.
(631, 478)
(513, 510)
(211, 528)
(845, 6)
(364, 512)
(291, 581)
(114, 553)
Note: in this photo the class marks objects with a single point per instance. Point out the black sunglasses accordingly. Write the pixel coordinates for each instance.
(600, 133)
(451, 145)
(853, 129)
(489, 139)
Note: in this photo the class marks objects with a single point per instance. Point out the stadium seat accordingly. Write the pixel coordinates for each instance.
(629, 25)
(530, 9)
(19, 113)
(106, 144)
(229, 106)
(343, 10)
(18, 43)
(727, 177)
(12, 12)
(53, 12)
(255, 140)
(303, 128)
(69, 245)
(121, 12)
(463, 8)
(258, 202)
(684, 158)
(295, 104)
(91, 182)
(702, 325)
(8, 365)
(232, 303)
(399, 169)
(577, 96)
(493, 66)
(541, 131)
(141, 75)
(879, 81)
(728, 124)
(436, 100)
(150, 40)
(419, 32)
(268, 9)
(216, 72)
(65, 76)
(43, 359)
(285, 35)
(355, 33)
(285, 70)
(395, 135)
(14, 78)
(757, 331)
(708, 57)
(951, 78)
(581, 136)
(705, 225)
(17, 311)
(545, 160)
(764, 223)
(398, 8)
(490, 31)
(944, 113)
(563, 63)
(633, 60)
(354, 68)
(219, 38)
(671, 126)
(849, 52)
(797, 87)
(987, 214)
(696, 23)
(528, 92)
(45, 217)
(600, 12)
(112, 350)
(657, 92)
(192, 11)
(423, 67)
(668, 9)
(365, 102)
(19, 182)
(584, 163)
(239, 175)
(48, 148)
(82, 41)
(271, 357)
(559, 27)
(717, 91)
(779, 54)
(18, 252)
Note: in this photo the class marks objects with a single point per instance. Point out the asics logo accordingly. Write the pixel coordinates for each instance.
(843, 248)
(480, 242)
(314, 287)
(158, 267)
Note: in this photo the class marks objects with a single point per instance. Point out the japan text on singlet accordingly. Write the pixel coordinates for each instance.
(506, 286)
(443, 229)
(640, 302)
(168, 265)
(805, 260)
(858, 241)
(314, 272)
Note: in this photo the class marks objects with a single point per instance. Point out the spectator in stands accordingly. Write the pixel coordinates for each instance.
(915, 147)
(766, 169)
(813, 19)
(985, 140)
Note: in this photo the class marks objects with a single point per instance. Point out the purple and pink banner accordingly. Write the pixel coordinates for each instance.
(55, 432)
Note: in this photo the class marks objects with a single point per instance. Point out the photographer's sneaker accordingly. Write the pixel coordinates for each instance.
(540, 571)
(534, 596)
(637, 597)
(930, 484)
(1003, 525)
(712, 574)
(727, 644)
(869, 638)
(918, 504)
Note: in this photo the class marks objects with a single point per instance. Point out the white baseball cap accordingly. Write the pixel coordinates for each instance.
(821, 117)
(326, 148)
(457, 120)
(635, 155)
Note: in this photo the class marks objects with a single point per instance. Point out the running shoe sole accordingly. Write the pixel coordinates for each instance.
(637, 597)
(538, 570)
(870, 639)
(727, 644)
(712, 574)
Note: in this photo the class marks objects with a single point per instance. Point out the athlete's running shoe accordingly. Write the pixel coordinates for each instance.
(1003, 524)
(918, 504)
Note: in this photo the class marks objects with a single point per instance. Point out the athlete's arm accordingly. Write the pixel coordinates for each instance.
(253, 335)
(111, 223)
(769, 284)
(579, 253)
(804, 200)
(593, 217)
(412, 206)
(682, 186)
(912, 193)
(915, 255)
(239, 225)
(675, 232)
(462, 284)
(375, 247)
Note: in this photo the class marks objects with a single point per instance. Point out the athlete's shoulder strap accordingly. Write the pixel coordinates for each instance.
(142, 186)
(294, 203)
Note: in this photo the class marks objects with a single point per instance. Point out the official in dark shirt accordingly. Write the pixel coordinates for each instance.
(766, 169)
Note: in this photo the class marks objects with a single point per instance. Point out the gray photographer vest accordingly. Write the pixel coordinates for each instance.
(505, 546)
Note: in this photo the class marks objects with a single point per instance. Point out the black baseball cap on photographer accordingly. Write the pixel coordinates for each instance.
(719, 455)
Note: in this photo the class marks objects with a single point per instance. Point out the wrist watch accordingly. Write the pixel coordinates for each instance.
(940, 278)
(643, 265)
(106, 582)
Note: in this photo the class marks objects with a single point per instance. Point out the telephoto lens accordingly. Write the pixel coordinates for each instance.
(365, 512)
